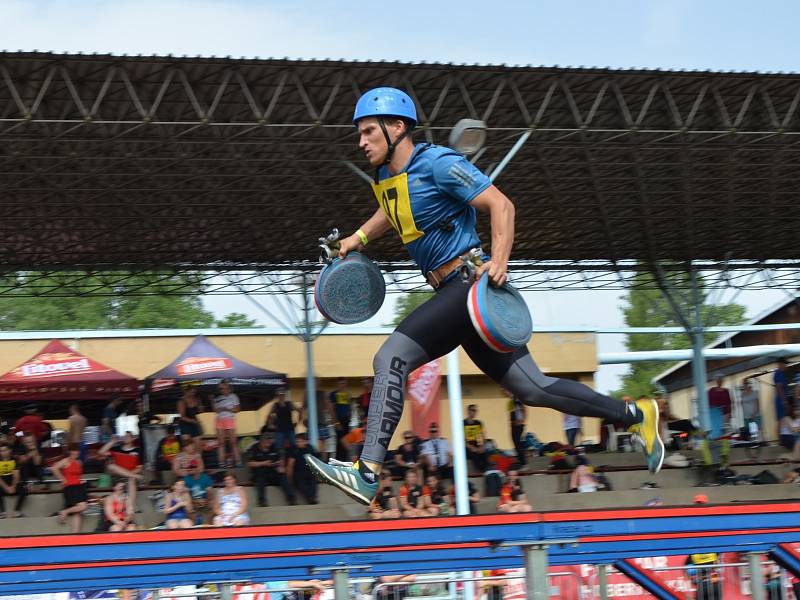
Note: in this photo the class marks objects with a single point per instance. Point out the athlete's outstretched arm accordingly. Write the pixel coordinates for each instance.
(501, 212)
(374, 228)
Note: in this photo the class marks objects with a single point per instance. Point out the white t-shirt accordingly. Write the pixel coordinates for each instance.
(225, 405)
(438, 449)
(571, 422)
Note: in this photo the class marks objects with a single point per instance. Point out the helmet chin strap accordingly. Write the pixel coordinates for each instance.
(391, 145)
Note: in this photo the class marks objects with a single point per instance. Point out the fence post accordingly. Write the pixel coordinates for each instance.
(341, 584)
(226, 591)
(756, 576)
(602, 581)
(536, 572)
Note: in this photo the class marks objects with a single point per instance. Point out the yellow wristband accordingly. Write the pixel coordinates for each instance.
(363, 237)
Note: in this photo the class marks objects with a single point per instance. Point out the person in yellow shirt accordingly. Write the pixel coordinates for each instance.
(475, 438)
(10, 482)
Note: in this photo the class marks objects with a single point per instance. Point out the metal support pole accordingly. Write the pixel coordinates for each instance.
(225, 591)
(459, 446)
(511, 153)
(341, 584)
(698, 358)
(457, 433)
(602, 581)
(756, 576)
(536, 572)
(311, 386)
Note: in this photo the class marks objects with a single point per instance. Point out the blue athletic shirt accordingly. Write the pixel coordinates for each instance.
(428, 204)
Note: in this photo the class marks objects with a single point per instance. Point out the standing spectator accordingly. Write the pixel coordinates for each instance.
(516, 416)
(30, 460)
(341, 404)
(582, 478)
(32, 422)
(366, 393)
(108, 422)
(200, 486)
(325, 427)
(719, 403)
(475, 438)
(118, 508)
(267, 468)
(299, 473)
(281, 419)
(188, 409)
(226, 405)
(572, 427)
(407, 455)
(178, 506)
(412, 497)
(70, 470)
(436, 454)
(76, 424)
(781, 381)
(124, 457)
(512, 497)
(750, 408)
(10, 482)
(230, 505)
(384, 505)
(187, 460)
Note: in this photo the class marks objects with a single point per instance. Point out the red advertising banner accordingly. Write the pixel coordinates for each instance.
(424, 386)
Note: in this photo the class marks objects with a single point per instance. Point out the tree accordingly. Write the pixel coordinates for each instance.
(649, 308)
(66, 300)
(408, 303)
(236, 319)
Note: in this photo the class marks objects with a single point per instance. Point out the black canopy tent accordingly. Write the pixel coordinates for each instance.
(204, 365)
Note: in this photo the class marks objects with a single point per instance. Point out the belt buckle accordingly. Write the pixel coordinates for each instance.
(470, 261)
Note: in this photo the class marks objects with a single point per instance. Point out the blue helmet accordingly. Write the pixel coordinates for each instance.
(386, 102)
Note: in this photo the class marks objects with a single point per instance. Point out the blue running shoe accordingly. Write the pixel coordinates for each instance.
(344, 476)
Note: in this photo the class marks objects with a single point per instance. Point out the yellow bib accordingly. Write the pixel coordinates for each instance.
(704, 559)
(7, 467)
(393, 198)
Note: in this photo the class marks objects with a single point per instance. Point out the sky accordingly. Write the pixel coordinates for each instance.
(738, 35)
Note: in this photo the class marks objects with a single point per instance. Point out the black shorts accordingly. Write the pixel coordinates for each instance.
(74, 494)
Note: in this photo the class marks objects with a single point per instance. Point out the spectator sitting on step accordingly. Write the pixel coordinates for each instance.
(178, 507)
(436, 456)
(124, 457)
(30, 460)
(230, 504)
(118, 507)
(582, 478)
(11, 483)
(413, 496)
(167, 449)
(474, 497)
(267, 467)
(384, 505)
(298, 471)
(201, 489)
(790, 430)
(187, 460)
(512, 497)
(475, 439)
(437, 499)
(353, 440)
(792, 476)
(407, 455)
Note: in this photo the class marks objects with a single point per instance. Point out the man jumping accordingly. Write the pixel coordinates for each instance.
(430, 195)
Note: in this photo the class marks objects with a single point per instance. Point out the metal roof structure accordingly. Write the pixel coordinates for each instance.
(236, 166)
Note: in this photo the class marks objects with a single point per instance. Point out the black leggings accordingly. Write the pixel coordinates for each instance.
(442, 324)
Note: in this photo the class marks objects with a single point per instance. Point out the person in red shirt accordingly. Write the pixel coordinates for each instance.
(719, 402)
(33, 423)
